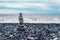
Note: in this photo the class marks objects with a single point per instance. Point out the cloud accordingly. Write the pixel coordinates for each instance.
(26, 5)
(17, 5)
(31, 6)
(4, 11)
(42, 6)
(42, 1)
(8, 11)
(58, 1)
(19, 0)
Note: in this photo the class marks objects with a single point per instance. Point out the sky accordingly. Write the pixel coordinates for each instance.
(30, 7)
